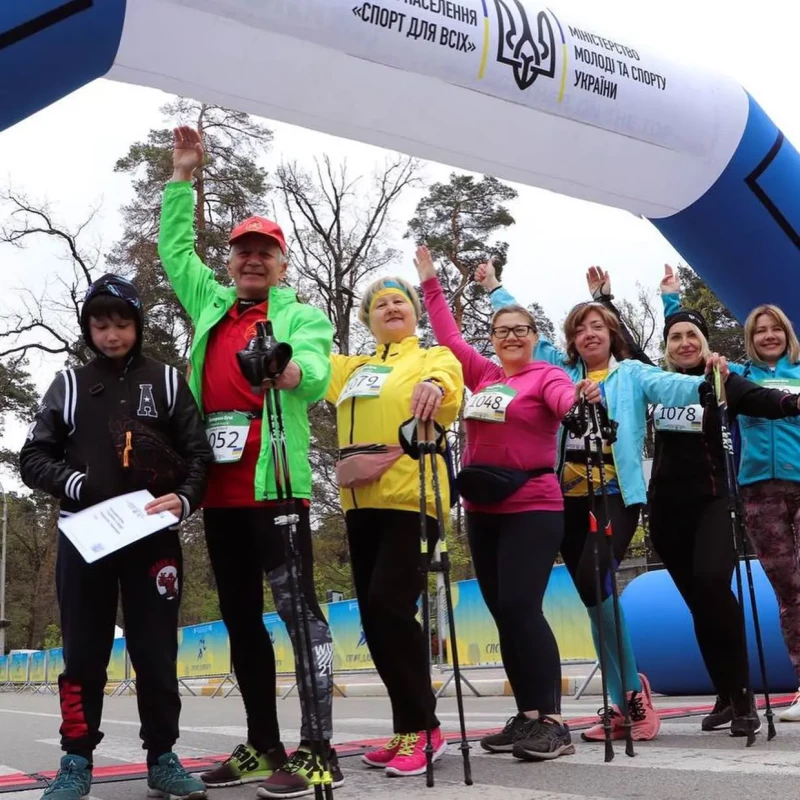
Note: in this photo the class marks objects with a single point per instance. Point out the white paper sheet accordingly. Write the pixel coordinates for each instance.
(113, 524)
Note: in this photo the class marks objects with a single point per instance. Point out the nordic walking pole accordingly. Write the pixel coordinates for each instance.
(323, 787)
(606, 435)
(444, 566)
(422, 447)
(594, 533)
(740, 540)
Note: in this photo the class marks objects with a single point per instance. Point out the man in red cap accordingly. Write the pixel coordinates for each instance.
(240, 506)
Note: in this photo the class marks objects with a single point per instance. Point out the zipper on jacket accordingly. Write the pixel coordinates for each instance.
(386, 348)
(352, 433)
(128, 449)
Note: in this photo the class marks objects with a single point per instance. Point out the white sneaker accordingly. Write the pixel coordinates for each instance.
(791, 714)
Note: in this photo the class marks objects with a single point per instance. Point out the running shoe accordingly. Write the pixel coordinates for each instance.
(720, 716)
(245, 765)
(72, 782)
(169, 779)
(503, 742)
(411, 758)
(299, 776)
(545, 740)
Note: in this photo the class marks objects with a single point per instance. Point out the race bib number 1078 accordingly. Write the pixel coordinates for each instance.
(679, 419)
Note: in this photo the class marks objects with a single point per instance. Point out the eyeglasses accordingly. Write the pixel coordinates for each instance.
(519, 331)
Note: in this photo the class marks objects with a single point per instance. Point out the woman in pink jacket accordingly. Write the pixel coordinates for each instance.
(514, 507)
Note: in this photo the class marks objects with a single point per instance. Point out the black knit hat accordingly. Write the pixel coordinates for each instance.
(686, 315)
(116, 286)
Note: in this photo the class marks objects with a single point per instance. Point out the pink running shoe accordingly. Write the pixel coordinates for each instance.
(645, 719)
(645, 722)
(381, 756)
(596, 732)
(410, 758)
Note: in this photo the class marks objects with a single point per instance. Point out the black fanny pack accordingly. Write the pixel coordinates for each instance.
(486, 485)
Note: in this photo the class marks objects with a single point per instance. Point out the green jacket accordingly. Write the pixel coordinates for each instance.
(207, 302)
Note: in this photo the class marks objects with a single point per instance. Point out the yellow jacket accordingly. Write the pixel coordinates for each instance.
(377, 419)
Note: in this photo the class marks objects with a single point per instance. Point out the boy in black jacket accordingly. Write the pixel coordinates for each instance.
(121, 423)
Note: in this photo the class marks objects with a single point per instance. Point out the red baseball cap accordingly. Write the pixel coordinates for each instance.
(265, 227)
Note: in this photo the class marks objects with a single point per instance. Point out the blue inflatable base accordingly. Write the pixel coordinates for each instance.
(662, 632)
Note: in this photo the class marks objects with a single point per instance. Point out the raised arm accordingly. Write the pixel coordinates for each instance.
(599, 282)
(500, 298)
(474, 365)
(670, 287)
(192, 280)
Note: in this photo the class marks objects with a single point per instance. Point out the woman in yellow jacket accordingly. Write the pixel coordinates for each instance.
(380, 495)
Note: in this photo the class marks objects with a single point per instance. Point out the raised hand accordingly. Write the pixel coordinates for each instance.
(486, 276)
(716, 361)
(424, 264)
(187, 152)
(670, 283)
(599, 282)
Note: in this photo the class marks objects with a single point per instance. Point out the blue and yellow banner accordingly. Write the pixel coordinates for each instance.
(55, 664)
(204, 651)
(36, 670)
(4, 669)
(350, 651)
(281, 643)
(116, 664)
(19, 668)
(478, 640)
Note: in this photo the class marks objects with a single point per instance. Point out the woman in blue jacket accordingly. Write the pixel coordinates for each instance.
(769, 469)
(596, 349)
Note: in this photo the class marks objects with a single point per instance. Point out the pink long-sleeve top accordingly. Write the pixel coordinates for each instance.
(527, 438)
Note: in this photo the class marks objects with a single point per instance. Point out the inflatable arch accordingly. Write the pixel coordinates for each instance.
(503, 87)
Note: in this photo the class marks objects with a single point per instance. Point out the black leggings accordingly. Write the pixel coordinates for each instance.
(693, 537)
(244, 545)
(577, 548)
(513, 556)
(388, 578)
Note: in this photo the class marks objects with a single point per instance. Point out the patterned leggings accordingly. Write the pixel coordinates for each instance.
(772, 511)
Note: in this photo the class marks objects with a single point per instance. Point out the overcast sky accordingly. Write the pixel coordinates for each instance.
(65, 154)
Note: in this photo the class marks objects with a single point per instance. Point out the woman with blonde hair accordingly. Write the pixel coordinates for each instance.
(380, 494)
(690, 524)
(769, 470)
(597, 350)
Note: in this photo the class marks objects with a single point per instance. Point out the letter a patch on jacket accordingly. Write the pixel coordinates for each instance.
(147, 403)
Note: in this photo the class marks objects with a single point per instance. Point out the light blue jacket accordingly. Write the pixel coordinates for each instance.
(770, 447)
(629, 387)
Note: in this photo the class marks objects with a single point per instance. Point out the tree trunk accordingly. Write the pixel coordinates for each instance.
(45, 607)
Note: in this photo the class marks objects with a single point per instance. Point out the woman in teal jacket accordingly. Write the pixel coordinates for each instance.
(596, 349)
(769, 468)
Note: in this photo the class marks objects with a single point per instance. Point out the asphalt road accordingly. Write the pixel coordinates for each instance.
(682, 762)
